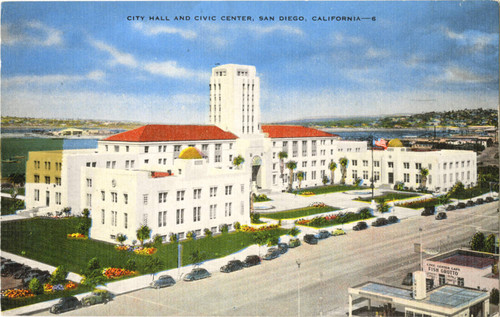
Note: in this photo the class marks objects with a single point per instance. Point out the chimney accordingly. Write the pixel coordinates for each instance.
(419, 291)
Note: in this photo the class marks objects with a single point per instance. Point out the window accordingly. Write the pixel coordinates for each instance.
(444, 178)
(418, 178)
(228, 209)
(89, 182)
(162, 219)
(376, 163)
(162, 197)
(365, 163)
(229, 190)
(47, 179)
(146, 161)
(468, 164)
(213, 211)
(58, 181)
(197, 193)
(180, 195)
(37, 195)
(323, 162)
(196, 214)
(117, 148)
(406, 165)
(418, 166)
(58, 198)
(145, 199)
(304, 164)
(376, 176)
(103, 216)
(114, 218)
(406, 177)
(218, 147)
(354, 162)
(180, 216)
(127, 148)
(313, 163)
(204, 147)
(460, 281)
(242, 188)
(354, 174)
(463, 163)
(468, 175)
(125, 220)
(146, 149)
(390, 164)
(103, 195)
(37, 178)
(365, 174)
(213, 191)
(89, 200)
(125, 198)
(444, 165)
(442, 279)
(106, 147)
(114, 197)
(132, 163)
(108, 164)
(313, 175)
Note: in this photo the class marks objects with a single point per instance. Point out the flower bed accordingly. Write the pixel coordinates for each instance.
(332, 220)
(17, 293)
(49, 288)
(307, 194)
(112, 272)
(420, 203)
(246, 228)
(76, 236)
(136, 250)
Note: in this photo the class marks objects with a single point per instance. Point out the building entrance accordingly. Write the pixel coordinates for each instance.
(256, 171)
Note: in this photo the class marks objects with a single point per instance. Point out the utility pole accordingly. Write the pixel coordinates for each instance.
(373, 180)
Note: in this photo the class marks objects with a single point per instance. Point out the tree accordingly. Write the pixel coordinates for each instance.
(294, 231)
(343, 168)
(332, 167)
(291, 165)
(489, 244)
(324, 180)
(121, 238)
(272, 240)
(93, 273)
(365, 213)
(477, 242)
(36, 287)
(224, 228)
(383, 207)
(494, 296)
(237, 161)
(157, 240)
(190, 235)
(282, 156)
(17, 179)
(424, 172)
(207, 232)
(173, 237)
(86, 213)
(59, 275)
(143, 233)
(300, 177)
(84, 226)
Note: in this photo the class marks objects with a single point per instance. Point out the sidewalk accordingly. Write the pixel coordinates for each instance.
(7, 195)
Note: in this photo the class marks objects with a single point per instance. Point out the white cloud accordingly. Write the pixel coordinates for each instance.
(377, 53)
(118, 57)
(31, 33)
(455, 74)
(340, 39)
(56, 79)
(280, 28)
(156, 30)
(173, 109)
(172, 70)
(476, 41)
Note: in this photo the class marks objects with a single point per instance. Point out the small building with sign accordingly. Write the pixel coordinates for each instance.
(478, 270)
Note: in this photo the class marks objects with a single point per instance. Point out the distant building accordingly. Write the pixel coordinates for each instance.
(463, 268)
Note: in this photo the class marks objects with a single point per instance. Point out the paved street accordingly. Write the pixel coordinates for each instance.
(382, 254)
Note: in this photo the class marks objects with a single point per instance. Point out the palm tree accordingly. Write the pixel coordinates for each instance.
(332, 167)
(237, 161)
(343, 168)
(143, 233)
(300, 177)
(282, 155)
(424, 172)
(291, 165)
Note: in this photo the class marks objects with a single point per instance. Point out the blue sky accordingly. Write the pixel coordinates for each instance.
(87, 60)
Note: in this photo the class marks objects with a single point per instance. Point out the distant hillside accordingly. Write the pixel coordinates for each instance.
(20, 122)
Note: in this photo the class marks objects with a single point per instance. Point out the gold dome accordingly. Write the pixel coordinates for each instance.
(190, 153)
(395, 143)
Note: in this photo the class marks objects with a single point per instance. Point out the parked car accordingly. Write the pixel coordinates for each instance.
(392, 219)
(380, 222)
(479, 201)
(489, 199)
(311, 239)
(162, 281)
(441, 215)
(408, 280)
(96, 297)
(283, 247)
(451, 207)
(360, 226)
(271, 254)
(197, 274)
(293, 243)
(232, 266)
(338, 232)
(461, 205)
(8, 268)
(429, 211)
(65, 304)
(251, 260)
(470, 203)
(323, 234)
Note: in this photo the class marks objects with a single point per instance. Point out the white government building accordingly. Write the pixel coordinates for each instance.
(181, 178)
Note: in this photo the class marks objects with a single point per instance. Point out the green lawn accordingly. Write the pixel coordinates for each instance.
(422, 203)
(9, 205)
(329, 189)
(387, 197)
(20, 191)
(45, 240)
(297, 213)
(470, 192)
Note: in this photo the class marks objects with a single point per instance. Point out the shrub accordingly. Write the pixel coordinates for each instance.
(59, 275)
(237, 225)
(173, 237)
(477, 242)
(383, 207)
(494, 296)
(273, 240)
(121, 238)
(224, 228)
(131, 265)
(294, 231)
(325, 180)
(153, 265)
(86, 213)
(190, 235)
(489, 244)
(35, 286)
(157, 240)
(207, 232)
(255, 217)
(84, 226)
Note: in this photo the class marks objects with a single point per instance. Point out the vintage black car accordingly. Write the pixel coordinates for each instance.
(429, 211)
(197, 274)
(360, 226)
(65, 304)
(441, 215)
(251, 260)
(96, 297)
(323, 234)
(162, 281)
(392, 219)
(271, 254)
(232, 266)
(283, 248)
(380, 222)
(294, 243)
(310, 239)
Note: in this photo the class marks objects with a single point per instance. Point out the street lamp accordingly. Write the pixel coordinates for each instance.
(298, 286)
(421, 264)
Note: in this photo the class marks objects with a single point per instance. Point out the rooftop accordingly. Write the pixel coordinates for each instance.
(158, 133)
(293, 131)
(466, 258)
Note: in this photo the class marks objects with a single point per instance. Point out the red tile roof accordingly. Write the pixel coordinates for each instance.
(293, 131)
(156, 132)
(160, 174)
(469, 261)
